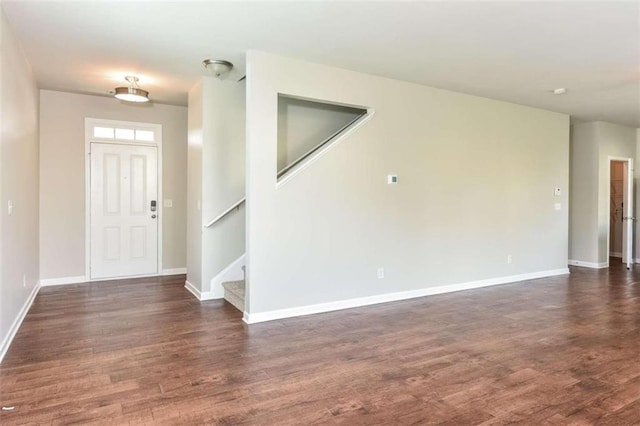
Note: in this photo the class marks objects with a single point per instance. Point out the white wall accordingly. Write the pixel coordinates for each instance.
(19, 183)
(62, 168)
(476, 179)
(583, 208)
(223, 176)
(194, 186)
(592, 146)
(216, 178)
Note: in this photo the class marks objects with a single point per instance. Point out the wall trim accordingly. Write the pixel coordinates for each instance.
(592, 265)
(192, 289)
(252, 318)
(81, 279)
(200, 295)
(629, 209)
(233, 272)
(6, 343)
(174, 271)
(88, 140)
(63, 281)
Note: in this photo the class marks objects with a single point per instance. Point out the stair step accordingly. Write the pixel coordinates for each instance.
(234, 293)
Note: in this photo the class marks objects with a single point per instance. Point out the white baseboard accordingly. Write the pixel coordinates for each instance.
(82, 279)
(200, 295)
(63, 281)
(252, 318)
(233, 272)
(6, 342)
(174, 271)
(592, 265)
(192, 289)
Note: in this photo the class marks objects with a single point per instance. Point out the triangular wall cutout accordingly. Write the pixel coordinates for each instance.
(305, 127)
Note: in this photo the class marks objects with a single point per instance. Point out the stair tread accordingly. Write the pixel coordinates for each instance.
(235, 287)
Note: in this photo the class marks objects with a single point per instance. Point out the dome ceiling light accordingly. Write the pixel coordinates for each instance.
(132, 93)
(220, 68)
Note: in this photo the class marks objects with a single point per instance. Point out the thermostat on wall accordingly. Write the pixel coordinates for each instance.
(392, 179)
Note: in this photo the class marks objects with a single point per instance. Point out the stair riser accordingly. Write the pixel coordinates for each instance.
(234, 300)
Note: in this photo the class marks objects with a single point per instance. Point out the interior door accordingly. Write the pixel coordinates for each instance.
(124, 204)
(627, 236)
(616, 209)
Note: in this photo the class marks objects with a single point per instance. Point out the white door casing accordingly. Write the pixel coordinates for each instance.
(124, 210)
(627, 239)
(616, 206)
(98, 130)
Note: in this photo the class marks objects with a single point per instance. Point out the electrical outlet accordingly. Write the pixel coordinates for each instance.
(168, 203)
(509, 259)
(380, 273)
(9, 207)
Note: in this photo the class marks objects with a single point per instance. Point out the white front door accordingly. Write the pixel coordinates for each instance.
(124, 210)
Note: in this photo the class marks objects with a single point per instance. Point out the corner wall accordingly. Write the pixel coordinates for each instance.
(216, 182)
(592, 145)
(19, 273)
(476, 180)
(62, 183)
(614, 141)
(583, 207)
(195, 132)
(223, 178)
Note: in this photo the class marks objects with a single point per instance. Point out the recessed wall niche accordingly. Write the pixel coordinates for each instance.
(306, 127)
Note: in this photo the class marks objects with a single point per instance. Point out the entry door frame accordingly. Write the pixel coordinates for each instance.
(628, 209)
(89, 124)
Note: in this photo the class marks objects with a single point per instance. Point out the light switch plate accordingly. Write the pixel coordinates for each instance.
(392, 179)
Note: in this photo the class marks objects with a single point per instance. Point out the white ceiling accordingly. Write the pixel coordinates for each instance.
(511, 51)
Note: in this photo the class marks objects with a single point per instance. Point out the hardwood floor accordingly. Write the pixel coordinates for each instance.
(563, 350)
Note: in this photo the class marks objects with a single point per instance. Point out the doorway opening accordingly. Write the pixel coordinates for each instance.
(621, 220)
(123, 188)
(616, 208)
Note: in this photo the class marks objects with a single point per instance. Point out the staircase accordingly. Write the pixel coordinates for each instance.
(234, 293)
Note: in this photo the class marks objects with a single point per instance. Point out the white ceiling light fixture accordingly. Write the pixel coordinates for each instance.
(220, 68)
(132, 93)
(560, 91)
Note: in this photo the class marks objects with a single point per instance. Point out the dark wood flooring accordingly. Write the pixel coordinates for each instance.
(557, 351)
